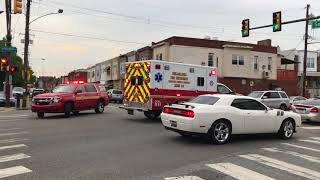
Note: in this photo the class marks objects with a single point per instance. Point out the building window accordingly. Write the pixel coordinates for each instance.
(255, 63)
(200, 81)
(310, 62)
(108, 71)
(210, 59)
(237, 60)
(159, 56)
(217, 62)
(92, 74)
(269, 63)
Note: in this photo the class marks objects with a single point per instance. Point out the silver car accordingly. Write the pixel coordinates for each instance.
(297, 100)
(272, 99)
(115, 95)
(309, 109)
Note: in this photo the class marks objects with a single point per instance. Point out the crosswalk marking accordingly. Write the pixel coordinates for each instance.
(184, 178)
(12, 146)
(311, 128)
(13, 157)
(10, 129)
(315, 138)
(293, 169)
(15, 133)
(238, 172)
(13, 140)
(301, 147)
(7, 172)
(309, 141)
(296, 154)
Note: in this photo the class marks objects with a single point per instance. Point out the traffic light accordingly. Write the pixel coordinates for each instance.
(245, 28)
(276, 21)
(4, 62)
(13, 69)
(17, 6)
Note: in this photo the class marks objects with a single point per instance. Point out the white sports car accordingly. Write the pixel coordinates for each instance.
(219, 116)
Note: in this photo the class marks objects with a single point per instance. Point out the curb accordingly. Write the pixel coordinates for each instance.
(6, 109)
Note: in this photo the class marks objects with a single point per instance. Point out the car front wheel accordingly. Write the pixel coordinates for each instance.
(287, 129)
(67, 110)
(99, 107)
(220, 132)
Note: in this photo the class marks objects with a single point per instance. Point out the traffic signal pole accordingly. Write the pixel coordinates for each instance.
(26, 53)
(8, 43)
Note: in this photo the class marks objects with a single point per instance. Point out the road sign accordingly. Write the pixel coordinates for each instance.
(9, 50)
(315, 24)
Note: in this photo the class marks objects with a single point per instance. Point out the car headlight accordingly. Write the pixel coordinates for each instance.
(56, 99)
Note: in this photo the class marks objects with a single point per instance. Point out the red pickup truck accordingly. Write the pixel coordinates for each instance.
(71, 98)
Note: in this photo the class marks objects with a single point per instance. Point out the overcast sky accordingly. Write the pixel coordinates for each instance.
(135, 23)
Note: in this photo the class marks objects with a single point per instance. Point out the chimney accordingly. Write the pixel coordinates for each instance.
(266, 42)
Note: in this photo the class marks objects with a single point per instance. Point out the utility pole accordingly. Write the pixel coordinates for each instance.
(26, 53)
(8, 43)
(306, 35)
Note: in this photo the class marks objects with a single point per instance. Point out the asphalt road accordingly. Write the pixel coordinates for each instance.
(115, 145)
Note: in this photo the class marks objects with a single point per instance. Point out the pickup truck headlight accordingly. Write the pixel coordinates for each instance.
(56, 99)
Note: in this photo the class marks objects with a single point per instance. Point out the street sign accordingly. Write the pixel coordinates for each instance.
(315, 24)
(9, 50)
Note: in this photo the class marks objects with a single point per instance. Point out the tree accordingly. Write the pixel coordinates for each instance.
(17, 78)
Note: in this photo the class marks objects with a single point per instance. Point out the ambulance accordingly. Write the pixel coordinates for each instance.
(152, 84)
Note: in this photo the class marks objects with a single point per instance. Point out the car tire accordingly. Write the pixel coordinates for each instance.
(99, 107)
(40, 115)
(68, 109)
(283, 107)
(287, 129)
(152, 114)
(220, 132)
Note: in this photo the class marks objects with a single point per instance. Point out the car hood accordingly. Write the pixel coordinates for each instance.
(49, 95)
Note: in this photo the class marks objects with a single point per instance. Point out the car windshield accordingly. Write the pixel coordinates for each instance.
(63, 89)
(312, 102)
(20, 89)
(117, 92)
(210, 100)
(255, 94)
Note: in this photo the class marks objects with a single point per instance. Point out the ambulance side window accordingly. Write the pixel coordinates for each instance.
(133, 80)
(200, 81)
(140, 80)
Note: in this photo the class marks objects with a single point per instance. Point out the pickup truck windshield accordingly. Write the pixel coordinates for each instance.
(63, 89)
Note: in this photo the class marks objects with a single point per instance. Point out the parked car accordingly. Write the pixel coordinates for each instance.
(70, 98)
(37, 92)
(219, 116)
(296, 99)
(309, 109)
(3, 100)
(272, 99)
(115, 95)
(18, 91)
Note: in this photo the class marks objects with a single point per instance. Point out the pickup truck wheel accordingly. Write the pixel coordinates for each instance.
(99, 108)
(40, 115)
(220, 132)
(67, 110)
(152, 114)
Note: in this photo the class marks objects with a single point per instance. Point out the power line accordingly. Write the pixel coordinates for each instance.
(87, 37)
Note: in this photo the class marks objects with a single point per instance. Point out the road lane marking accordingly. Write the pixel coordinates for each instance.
(12, 146)
(15, 116)
(13, 157)
(184, 178)
(309, 141)
(13, 140)
(7, 172)
(12, 120)
(291, 168)
(10, 129)
(301, 147)
(311, 127)
(296, 154)
(238, 172)
(15, 133)
(315, 138)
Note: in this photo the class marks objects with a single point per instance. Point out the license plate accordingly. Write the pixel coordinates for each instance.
(173, 123)
(301, 111)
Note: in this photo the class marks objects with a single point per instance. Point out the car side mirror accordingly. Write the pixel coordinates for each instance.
(78, 91)
(267, 109)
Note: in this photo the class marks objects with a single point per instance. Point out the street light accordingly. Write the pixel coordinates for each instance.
(59, 12)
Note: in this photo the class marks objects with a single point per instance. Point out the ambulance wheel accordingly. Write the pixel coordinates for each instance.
(152, 114)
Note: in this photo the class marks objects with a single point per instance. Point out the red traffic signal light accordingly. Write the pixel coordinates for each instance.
(245, 28)
(13, 69)
(276, 21)
(4, 61)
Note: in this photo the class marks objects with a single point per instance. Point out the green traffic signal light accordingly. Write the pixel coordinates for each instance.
(276, 21)
(245, 28)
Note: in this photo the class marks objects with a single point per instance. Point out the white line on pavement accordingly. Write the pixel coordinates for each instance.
(15, 133)
(13, 140)
(7, 172)
(291, 168)
(10, 129)
(238, 172)
(296, 154)
(309, 141)
(301, 147)
(13, 157)
(15, 116)
(311, 127)
(12, 146)
(184, 178)
(315, 138)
